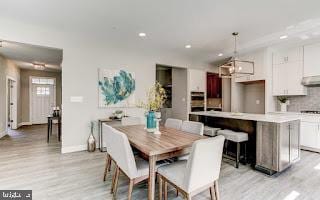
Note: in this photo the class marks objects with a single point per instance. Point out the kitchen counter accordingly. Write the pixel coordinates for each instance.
(270, 117)
(274, 142)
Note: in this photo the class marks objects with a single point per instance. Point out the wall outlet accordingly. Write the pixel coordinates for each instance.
(257, 101)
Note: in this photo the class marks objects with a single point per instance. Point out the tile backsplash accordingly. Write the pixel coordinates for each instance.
(309, 102)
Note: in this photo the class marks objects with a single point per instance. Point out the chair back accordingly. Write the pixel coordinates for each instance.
(107, 139)
(173, 123)
(204, 163)
(127, 121)
(192, 127)
(122, 153)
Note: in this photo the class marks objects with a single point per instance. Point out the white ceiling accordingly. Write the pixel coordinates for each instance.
(171, 24)
(24, 55)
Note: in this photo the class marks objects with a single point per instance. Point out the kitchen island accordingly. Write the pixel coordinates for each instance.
(274, 140)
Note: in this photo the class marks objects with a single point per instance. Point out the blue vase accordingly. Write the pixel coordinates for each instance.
(151, 120)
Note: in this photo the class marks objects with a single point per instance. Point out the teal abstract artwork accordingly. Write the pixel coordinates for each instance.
(116, 88)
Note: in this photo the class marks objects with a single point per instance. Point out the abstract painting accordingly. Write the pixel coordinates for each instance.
(116, 88)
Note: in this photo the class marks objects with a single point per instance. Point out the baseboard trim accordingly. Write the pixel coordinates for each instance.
(24, 124)
(3, 133)
(73, 149)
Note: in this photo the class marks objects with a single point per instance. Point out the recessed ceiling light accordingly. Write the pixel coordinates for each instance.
(220, 54)
(142, 34)
(283, 37)
(39, 66)
(188, 46)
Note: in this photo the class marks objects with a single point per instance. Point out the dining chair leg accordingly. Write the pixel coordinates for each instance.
(114, 179)
(216, 190)
(130, 189)
(115, 188)
(165, 190)
(160, 186)
(107, 167)
(110, 164)
(212, 193)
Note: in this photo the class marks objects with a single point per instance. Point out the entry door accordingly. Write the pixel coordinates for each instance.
(43, 99)
(11, 104)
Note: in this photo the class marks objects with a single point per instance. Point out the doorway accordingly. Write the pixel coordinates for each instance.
(11, 103)
(42, 98)
(175, 81)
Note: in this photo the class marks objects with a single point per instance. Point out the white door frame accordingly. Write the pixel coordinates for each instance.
(30, 93)
(14, 124)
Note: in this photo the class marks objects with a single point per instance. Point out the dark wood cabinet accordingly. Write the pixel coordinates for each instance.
(214, 86)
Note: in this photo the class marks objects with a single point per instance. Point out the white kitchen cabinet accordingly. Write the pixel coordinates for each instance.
(279, 83)
(312, 60)
(286, 55)
(259, 67)
(310, 135)
(197, 80)
(287, 72)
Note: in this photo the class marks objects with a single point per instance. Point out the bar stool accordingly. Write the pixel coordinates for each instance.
(210, 131)
(238, 138)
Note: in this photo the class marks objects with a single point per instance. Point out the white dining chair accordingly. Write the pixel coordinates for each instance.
(192, 127)
(173, 123)
(135, 168)
(107, 131)
(199, 173)
(128, 121)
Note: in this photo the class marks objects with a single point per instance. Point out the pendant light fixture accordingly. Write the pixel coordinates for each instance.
(235, 66)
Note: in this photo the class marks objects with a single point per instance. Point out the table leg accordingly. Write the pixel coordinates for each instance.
(59, 129)
(100, 135)
(48, 134)
(152, 177)
(50, 126)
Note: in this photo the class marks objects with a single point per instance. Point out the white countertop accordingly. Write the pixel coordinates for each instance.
(270, 117)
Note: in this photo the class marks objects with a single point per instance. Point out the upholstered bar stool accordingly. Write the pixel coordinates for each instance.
(238, 138)
(210, 131)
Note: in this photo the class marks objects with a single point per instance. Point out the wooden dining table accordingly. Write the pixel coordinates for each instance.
(170, 143)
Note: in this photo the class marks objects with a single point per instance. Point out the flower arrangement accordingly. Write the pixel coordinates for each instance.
(283, 103)
(282, 99)
(156, 97)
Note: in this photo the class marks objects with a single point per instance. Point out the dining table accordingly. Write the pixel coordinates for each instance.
(169, 143)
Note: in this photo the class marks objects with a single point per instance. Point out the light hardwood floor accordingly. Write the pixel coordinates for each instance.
(28, 162)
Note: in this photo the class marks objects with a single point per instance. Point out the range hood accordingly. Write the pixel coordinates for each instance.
(311, 81)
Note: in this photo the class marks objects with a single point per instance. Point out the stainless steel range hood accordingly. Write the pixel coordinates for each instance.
(311, 81)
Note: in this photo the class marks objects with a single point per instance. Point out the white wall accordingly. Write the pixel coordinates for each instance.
(8, 69)
(82, 56)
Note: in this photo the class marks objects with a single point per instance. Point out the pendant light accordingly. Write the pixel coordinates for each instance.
(236, 67)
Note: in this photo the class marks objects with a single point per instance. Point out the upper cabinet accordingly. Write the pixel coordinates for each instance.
(312, 60)
(289, 55)
(259, 59)
(287, 70)
(197, 80)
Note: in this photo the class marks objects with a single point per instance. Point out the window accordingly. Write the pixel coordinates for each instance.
(41, 91)
(43, 81)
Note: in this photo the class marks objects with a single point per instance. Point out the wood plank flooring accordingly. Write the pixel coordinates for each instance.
(28, 162)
